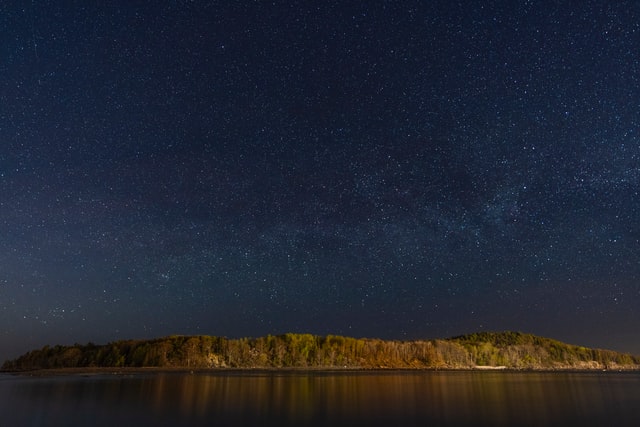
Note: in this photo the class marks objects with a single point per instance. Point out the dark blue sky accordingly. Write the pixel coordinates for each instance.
(394, 169)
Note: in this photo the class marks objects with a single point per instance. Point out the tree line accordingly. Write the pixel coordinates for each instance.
(513, 350)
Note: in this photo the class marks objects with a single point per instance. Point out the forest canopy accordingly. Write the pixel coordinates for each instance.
(510, 350)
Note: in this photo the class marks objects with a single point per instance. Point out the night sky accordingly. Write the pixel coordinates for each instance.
(392, 169)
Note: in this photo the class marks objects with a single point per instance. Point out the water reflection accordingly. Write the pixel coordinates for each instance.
(424, 398)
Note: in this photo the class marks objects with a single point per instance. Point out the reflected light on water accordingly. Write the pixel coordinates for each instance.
(360, 398)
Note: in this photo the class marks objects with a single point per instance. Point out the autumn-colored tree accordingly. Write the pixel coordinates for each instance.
(510, 349)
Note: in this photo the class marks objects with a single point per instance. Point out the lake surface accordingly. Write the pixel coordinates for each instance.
(429, 398)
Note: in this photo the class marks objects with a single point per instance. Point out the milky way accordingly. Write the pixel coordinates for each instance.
(384, 169)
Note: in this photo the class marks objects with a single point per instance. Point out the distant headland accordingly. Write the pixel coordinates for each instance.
(485, 350)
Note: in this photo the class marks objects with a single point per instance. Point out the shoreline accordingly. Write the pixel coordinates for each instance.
(132, 371)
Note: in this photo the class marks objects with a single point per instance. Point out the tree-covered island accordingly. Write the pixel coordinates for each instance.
(488, 350)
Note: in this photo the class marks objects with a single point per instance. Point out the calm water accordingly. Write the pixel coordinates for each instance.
(324, 399)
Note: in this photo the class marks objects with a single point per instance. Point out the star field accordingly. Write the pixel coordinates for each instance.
(385, 169)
